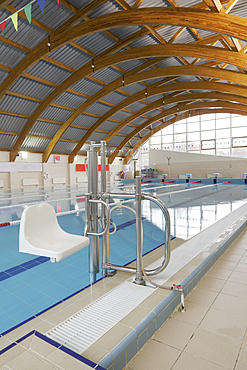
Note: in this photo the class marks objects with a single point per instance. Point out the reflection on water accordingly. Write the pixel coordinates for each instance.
(195, 210)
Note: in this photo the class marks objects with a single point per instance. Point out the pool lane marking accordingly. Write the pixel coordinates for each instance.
(199, 197)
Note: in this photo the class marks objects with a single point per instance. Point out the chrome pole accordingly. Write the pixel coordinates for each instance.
(139, 275)
(92, 156)
(105, 237)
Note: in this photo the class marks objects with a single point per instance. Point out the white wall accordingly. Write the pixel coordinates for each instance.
(13, 180)
(198, 164)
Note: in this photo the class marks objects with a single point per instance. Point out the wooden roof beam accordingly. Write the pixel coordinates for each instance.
(184, 115)
(217, 5)
(168, 88)
(173, 110)
(229, 6)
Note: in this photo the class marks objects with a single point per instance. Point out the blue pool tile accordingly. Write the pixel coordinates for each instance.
(151, 329)
(142, 339)
(131, 350)
(159, 320)
(7, 324)
(120, 363)
(4, 275)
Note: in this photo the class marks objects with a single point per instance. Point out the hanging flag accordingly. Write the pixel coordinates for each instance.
(14, 19)
(27, 10)
(42, 5)
(58, 2)
(2, 26)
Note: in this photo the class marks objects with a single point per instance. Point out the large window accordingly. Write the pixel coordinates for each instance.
(221, 134)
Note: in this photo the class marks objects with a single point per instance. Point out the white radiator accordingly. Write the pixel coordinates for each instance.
(30, 182)
(59, 180)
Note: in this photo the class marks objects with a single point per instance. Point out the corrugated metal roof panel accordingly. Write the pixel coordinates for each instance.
(136, 106)
(73, 133)
(98, 108)
(154, 80)
(107, 75)
(108, 7)
(121, 115)
(79, 4)
(42, 128)
(7, 141)
(186, 79)
(116, 140)
(84, 148)
(139, 120)
(115, 98)
(153, 113)
(124, 32)
(48, 19)
(153, 98)
(240, 9)
(108, 126)
(186, 37)
(64, 147)
(156, 124)
(85, 120)
(134, 141)
(31, 88)
(134, 88)
(167, 32)
(97, 43)
(97, 136)
(28, 35)
(147, 3)
(131, 64)
(3, 75)
(56, 114)
(70, 100)
(87, 87)
(10, 56)
(144, 41)
(49, 72)
(168, 62)
(186, 3)
(126, 130)
(70, 56)
(35, 144)
(13, 104)
(12, 123)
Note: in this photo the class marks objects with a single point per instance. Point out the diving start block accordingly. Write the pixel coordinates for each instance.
(40, 234)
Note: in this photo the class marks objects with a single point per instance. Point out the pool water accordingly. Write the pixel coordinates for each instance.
(31, 284)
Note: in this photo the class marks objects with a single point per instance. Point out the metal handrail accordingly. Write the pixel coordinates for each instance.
(165, 212)
(167, 255)
(86, 232)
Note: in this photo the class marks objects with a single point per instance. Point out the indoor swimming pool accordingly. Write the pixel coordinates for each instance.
(29, 285)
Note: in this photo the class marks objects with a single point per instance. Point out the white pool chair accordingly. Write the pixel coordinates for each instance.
(40, 234)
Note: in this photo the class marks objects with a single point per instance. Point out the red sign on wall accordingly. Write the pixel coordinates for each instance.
(82, 167)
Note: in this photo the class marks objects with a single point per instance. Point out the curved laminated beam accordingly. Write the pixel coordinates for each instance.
(129, 80)
(101, 62)
(184, 115)
(230, 25)
(175, 87)
(173, 110)
(177, 99)
(235, 77)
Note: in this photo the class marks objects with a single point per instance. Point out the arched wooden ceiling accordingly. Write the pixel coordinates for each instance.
(116, 70)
